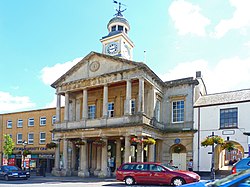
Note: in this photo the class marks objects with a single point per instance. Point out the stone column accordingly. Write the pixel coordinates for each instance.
(83, 160)
(151, 153)
(105, 101)
(85, 105)
(58, 108)
(128, 98)
(141, 96)
(73, 162)
(127, 149)
(65, 157)
(73, 108)
(104, 166)
(118, 153)
(66, 108)
(78, 110)
(158, 150)
(56, 169)
(139, 156)
(98, 160)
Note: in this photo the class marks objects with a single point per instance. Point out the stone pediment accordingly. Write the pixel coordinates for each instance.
(94, 65)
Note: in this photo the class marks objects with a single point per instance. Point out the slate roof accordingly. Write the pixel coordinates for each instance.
(177, 82)
(118, 19)
(237, 96)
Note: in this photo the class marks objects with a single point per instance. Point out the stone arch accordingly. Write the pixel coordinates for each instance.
(178, 154)
(220, 155)
(177, 148)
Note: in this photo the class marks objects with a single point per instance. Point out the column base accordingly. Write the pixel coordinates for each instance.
(61, 173)
(56, 172)
(102, 174)
(96, 172)
(83, 174)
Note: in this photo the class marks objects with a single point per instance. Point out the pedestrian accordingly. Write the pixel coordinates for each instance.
(171, 163)
(190, 165)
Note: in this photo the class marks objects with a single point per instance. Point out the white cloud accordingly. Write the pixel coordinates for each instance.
(228, 74)
(52, 104)
(240, 19)
(51, 74)
(187, 18)
(10, 103)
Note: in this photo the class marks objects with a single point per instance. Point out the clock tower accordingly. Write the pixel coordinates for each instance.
(117, 43)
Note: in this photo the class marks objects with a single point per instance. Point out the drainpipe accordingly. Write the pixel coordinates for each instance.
(199, 128)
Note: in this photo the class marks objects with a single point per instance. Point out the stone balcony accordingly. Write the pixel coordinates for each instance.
(123, 121)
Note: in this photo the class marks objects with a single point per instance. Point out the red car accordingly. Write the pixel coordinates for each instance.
(153, 173)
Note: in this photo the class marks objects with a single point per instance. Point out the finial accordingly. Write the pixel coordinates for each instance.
(119, 11)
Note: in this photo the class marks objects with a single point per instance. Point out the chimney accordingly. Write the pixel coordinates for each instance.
(198, 74)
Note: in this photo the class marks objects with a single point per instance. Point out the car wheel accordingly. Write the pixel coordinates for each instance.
(6, 177)
(129, 180)
(178, 181)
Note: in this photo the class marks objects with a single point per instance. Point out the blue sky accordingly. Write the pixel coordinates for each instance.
(40, 40)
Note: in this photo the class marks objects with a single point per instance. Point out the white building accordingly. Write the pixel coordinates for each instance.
(226, 115)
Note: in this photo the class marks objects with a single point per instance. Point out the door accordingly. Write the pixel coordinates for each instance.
(142, 174)
(179, 160)
(158, 174)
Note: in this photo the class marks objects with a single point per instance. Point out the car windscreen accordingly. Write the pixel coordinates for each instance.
(12, 168)
(228, 178)
(170, 168)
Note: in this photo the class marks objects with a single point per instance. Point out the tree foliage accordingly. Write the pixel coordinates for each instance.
(8, 145)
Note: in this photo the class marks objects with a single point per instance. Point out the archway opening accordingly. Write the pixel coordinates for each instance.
(226, 157)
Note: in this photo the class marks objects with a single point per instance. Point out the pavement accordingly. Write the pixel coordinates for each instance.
(50, 178)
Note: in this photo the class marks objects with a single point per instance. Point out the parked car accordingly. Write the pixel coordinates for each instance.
(12, 172)
(241, 179)
(153, 173)
(242, 164)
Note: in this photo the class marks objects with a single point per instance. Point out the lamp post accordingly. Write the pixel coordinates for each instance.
(248, 141)
(212, 162)
(23, 157)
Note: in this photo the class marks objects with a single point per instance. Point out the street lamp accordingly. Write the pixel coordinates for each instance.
(248, 141)
(23, 157)
(212, 162)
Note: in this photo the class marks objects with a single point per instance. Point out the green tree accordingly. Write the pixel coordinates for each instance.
(8, 146)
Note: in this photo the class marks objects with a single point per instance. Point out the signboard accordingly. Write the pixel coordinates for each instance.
(12, 162)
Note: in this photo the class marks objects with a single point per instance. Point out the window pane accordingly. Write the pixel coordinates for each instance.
(91, 112)
(178, 111)
(229, 118)
(31, 122)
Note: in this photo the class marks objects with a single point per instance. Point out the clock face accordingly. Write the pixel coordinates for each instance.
(112, 48)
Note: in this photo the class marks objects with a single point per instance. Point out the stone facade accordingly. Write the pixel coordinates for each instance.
(119, 101)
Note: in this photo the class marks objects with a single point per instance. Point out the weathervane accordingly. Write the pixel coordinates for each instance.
(119, 11)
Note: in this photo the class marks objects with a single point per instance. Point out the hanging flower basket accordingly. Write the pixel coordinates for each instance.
(211, 140)
(79, 142)
(135, 141)
(149, 141)
(26, 152)
(229, 146)
(100, 143)
(51, 145)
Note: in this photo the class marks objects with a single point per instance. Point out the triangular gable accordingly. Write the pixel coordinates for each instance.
(93, 65)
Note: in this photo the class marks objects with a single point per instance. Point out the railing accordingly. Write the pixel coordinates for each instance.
(127, 120)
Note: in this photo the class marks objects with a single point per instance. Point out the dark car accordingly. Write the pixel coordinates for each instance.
(242, 164)
(153, 173)
(12, 172)
(241, 179)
